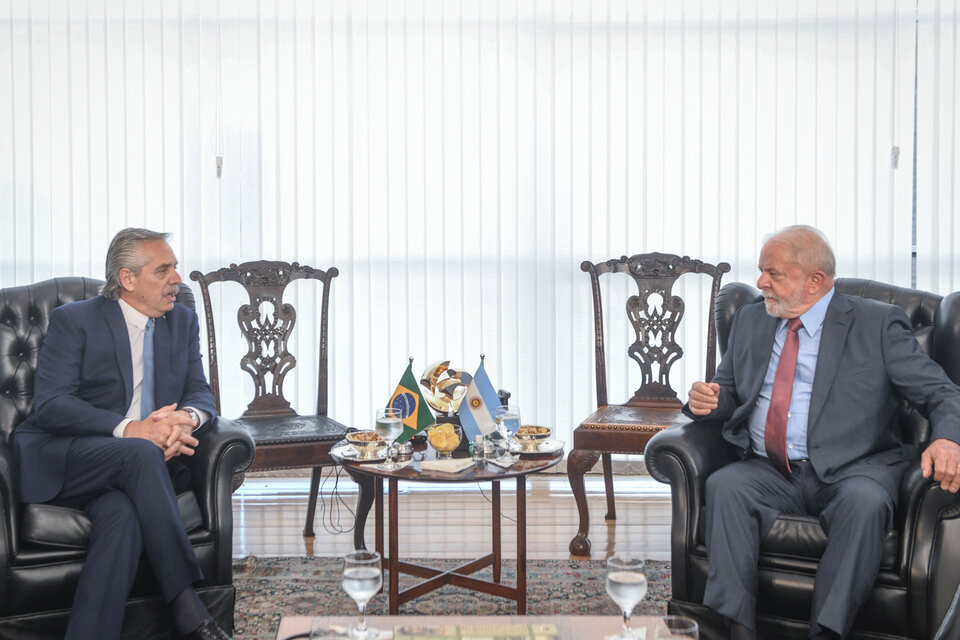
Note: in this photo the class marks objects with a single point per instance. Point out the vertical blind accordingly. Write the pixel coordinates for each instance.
(458, 160)
(938, 146)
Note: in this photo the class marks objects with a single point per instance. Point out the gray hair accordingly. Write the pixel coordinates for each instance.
(125, 253)
(810, 247)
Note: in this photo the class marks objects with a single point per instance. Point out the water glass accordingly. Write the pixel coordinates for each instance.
(507, 421)
(362, 578)
(676, 627)
(389, 426)
(627, 586)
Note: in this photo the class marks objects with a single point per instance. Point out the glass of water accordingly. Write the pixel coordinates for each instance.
(677, 628)
(389, 426)
(627, 586)
(362, 578)
(507, 421)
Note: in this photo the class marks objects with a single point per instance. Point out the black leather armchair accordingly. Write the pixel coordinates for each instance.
(42, 547)
(920, 569)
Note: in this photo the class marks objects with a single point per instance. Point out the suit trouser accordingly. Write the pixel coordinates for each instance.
(742, 501)
(125, 489)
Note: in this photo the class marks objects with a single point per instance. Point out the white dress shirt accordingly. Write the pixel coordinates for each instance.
(809, 348)
(136, 325)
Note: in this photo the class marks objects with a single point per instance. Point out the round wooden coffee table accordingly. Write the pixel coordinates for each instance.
(459, 576)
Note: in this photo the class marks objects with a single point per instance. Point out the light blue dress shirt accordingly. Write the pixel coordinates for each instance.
(802, 382)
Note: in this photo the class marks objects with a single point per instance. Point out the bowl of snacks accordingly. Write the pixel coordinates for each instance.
(444, 438)
(530, 436)
(367, 443)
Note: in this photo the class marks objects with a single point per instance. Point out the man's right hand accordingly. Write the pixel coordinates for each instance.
(167, 428)
(703, 398)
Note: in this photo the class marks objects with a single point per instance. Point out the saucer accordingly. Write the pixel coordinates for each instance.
(543, 447)
(349, 452)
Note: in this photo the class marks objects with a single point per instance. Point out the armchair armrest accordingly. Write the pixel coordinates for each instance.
(224, 450)
(927, 516)
(9, 518)
(684, 456)
(687, 454)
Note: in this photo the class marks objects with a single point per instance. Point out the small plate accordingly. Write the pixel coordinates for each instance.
(545, 446)
(349, 452)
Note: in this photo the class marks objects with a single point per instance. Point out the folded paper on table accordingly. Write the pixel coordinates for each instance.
(450, 466)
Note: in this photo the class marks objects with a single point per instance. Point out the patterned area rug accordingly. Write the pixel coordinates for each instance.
(268, 588)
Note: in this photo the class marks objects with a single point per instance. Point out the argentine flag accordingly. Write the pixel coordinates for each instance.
(478, 406)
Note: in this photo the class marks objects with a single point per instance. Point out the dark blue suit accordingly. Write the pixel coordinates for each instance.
(67, 453)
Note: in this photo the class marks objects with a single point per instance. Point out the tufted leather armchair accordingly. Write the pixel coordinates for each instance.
(42, 547)
(920, 569)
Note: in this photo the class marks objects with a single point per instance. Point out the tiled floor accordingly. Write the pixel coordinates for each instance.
(453, 520)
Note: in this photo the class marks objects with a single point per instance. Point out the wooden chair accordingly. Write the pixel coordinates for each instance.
(284, 439)
(655, 314)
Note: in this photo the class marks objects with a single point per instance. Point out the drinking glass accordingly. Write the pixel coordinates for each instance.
(676, 627)
(389, 426)
(362, 578)
(507, 420)
(627, 586)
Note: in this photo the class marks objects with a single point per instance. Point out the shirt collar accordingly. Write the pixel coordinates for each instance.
(813, 317)
(131, 316)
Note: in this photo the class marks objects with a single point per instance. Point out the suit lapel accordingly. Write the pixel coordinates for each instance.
(836, 326)
(121, 347)
(762, 352)
(761, 349)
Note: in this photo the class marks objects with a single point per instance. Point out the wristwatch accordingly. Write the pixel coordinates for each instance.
(194, 415)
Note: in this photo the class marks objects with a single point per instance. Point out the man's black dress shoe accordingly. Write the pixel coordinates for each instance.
(209, 630)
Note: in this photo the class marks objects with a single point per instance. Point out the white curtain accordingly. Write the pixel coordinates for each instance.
(457, 161)
(938, 146)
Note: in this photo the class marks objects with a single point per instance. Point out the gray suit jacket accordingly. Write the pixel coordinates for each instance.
(869, 359)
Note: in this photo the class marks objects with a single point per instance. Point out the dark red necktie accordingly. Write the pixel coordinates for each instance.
(775, 436)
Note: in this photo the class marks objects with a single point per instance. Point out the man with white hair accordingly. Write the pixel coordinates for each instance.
(808, 389)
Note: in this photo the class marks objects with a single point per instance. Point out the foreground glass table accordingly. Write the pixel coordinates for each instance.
(567, 627)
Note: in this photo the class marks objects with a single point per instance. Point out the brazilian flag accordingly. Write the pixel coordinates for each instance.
(409, 401)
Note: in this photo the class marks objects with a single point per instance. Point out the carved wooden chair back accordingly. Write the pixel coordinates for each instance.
(654, 313)
(266, 323)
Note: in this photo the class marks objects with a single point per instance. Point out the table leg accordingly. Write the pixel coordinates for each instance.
(394, 544)
(495, 522)
(378, 525)
(578, 463)
(364, 502)
(521, 545)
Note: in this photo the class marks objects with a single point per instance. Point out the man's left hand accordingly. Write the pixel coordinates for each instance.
(942, 459)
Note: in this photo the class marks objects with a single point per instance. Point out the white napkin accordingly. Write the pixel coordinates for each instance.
(453, 465)
(501, 463)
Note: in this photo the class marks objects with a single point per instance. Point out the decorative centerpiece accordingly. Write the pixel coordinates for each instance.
(444, 387)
